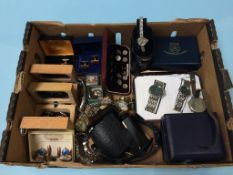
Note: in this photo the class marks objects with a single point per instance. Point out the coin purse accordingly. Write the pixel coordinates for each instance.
(168, 100)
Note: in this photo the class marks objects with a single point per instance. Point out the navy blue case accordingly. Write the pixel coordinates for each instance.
(175, 54)
(88, 50)
(191, 137)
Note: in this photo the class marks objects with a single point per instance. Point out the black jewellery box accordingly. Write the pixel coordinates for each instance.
(214, 79)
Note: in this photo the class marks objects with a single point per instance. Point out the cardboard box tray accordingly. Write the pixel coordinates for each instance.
(215, 80)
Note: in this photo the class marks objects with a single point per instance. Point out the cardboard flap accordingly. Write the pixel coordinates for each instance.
(4, 145)
(27, 34)
(226, 80)
(191, 20)
(19, 82)
(21, 61)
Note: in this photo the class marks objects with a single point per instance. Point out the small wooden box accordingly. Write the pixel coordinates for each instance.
(54, 139)
(46, 92)
(68, 108)
(48, 123)
(56, 47)
(54, 72)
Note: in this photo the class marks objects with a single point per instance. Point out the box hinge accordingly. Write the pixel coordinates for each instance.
(19, 82)
(213, 37)
(27, 34)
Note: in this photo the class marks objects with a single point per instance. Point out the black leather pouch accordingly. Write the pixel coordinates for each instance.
(191, 137)
(116, 137)
(175, 54)
(109, 135)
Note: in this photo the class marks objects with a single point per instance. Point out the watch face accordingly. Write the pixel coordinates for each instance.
(156, 90)
(197, 105)
(185, 90)
(122, 105)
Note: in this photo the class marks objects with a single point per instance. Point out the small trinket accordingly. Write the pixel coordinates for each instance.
(95, 59)
(105, 101)
(66, 154)
(197, 104)
(83, 119)
(122, 105)
(84, 65)
(95, 93)
(88, 156)
(40, 155)
(118, 58)
(92, 80)
(125, 52)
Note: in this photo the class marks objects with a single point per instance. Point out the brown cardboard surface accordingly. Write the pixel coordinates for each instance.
(193, 27)
(210, 84)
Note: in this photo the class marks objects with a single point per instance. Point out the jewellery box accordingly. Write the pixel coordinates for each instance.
(189, 137)
(178, 53)
(51, 143)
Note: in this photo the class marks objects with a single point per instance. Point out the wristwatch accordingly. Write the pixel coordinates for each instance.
(156, 92)
(142, 41)
(196, 103)
(183, 93)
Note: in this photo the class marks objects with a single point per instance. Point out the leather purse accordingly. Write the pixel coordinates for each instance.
(121, 139)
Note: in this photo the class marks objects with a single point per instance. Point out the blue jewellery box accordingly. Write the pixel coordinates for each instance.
(191, 137)
(88, 54)
(175, 54)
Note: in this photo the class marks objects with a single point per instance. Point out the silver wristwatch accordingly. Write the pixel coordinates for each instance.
(183, 93)
(156, 92)
(142, 41)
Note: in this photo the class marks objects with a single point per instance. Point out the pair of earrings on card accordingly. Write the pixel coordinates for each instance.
(45, 155)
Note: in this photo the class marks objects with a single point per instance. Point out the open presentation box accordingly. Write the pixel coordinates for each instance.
(214, 78)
